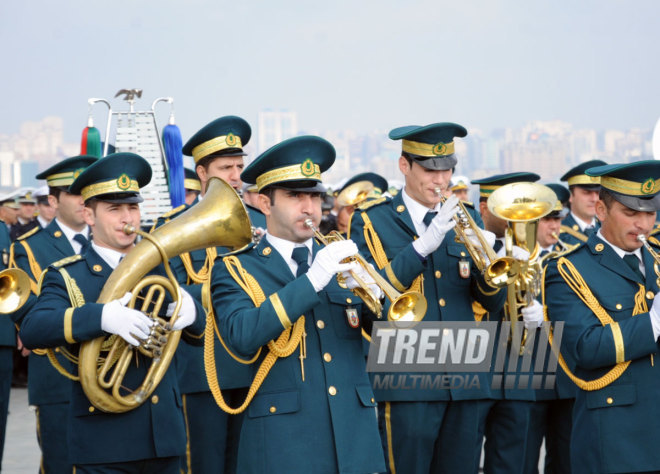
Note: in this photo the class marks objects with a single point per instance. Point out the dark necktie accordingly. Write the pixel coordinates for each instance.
(81, 239)
(498, 245)
(543, 253)
(633, 262)
(300, 256)
(590, 230)
(429, 217)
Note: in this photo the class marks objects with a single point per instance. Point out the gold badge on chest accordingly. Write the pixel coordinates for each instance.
(352, 317)
(464, 268)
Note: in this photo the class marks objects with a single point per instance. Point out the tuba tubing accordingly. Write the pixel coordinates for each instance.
(220, 219)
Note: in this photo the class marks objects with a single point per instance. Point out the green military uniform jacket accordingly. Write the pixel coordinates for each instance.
(31, 253)
(615, 428)
(569, 227)
(449, 295)
(7, 329)
(326, 423)
(156, 428)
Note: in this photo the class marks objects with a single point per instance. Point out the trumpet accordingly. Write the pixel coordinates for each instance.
(405, 307)
(654, 254)
(498, 271)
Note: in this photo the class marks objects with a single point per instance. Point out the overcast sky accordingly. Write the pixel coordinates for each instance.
(370, 65)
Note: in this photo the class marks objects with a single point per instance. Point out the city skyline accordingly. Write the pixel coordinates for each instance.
(362, 66)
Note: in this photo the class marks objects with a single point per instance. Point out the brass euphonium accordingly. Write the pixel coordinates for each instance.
(14, 289)
(408, 307)
(220, 219)
(498, 272)
(522, 205)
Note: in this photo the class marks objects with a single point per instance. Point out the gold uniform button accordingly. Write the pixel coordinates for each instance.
(576, 227)
(91, 409)
(57, 349)
(462, 254)
(438, 274)
(332, 390)
(266, 251)
(154, 399)
(327, 357)
(97, 268)
(349, 301)
(649, 295)
(320, 324)
(57, 233)
(599, 247)
(400, 208)
(373, 400)
(609, 400)
(618, 306)
(442, 302)
(273, 409)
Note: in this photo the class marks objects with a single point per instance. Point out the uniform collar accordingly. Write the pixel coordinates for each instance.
(619, 251)
(417, 211)
(109, 256)
(285, 247)
(582, 224)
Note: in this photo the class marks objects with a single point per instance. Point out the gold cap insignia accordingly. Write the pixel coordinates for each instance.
(266, 251)
(307, 167)
(57, 233)
(77, 172)
(400, 208)
(97, 268)
(231, 139)
(439, 149)
(648, 186)
(599, 247)
(123, 182)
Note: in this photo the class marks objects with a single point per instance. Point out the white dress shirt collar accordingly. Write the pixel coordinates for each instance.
(111, 257)
(69, 233)
(285, 249)
(417, 211)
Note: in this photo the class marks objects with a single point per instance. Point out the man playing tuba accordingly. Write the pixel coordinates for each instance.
(151, 437)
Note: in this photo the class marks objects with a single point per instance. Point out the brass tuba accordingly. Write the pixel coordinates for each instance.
(14, 289)
(356, 193)
(220, 219)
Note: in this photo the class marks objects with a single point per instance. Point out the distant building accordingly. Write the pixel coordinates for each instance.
(273, 126)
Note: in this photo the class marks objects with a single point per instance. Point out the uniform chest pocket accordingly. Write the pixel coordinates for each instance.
(457, 250)
(618, 306)
(612, 396)
(345, 309)
(272, 404)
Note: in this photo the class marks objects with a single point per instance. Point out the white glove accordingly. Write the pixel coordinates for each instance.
(431, 239)
(187, 313)
(532, 315)
(489, 237)
(363, 275)
(129, 324)
(655, 316)
(518, 253)
(327, 264)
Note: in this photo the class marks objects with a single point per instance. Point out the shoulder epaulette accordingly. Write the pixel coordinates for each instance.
(574, 233)
(655, 231)
(468, 204)
(174, 211)
(371, 202)
(29, 233)
(66, 261)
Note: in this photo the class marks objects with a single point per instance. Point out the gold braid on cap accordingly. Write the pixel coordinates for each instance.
(649, 187)
(122, 184)
(193, 184)
(216, 144)
(583, 179)
(306, 170)
(426, 149)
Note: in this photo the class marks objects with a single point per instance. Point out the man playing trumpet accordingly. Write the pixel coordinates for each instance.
(417, 249)
(605, 291)
(314, 409)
